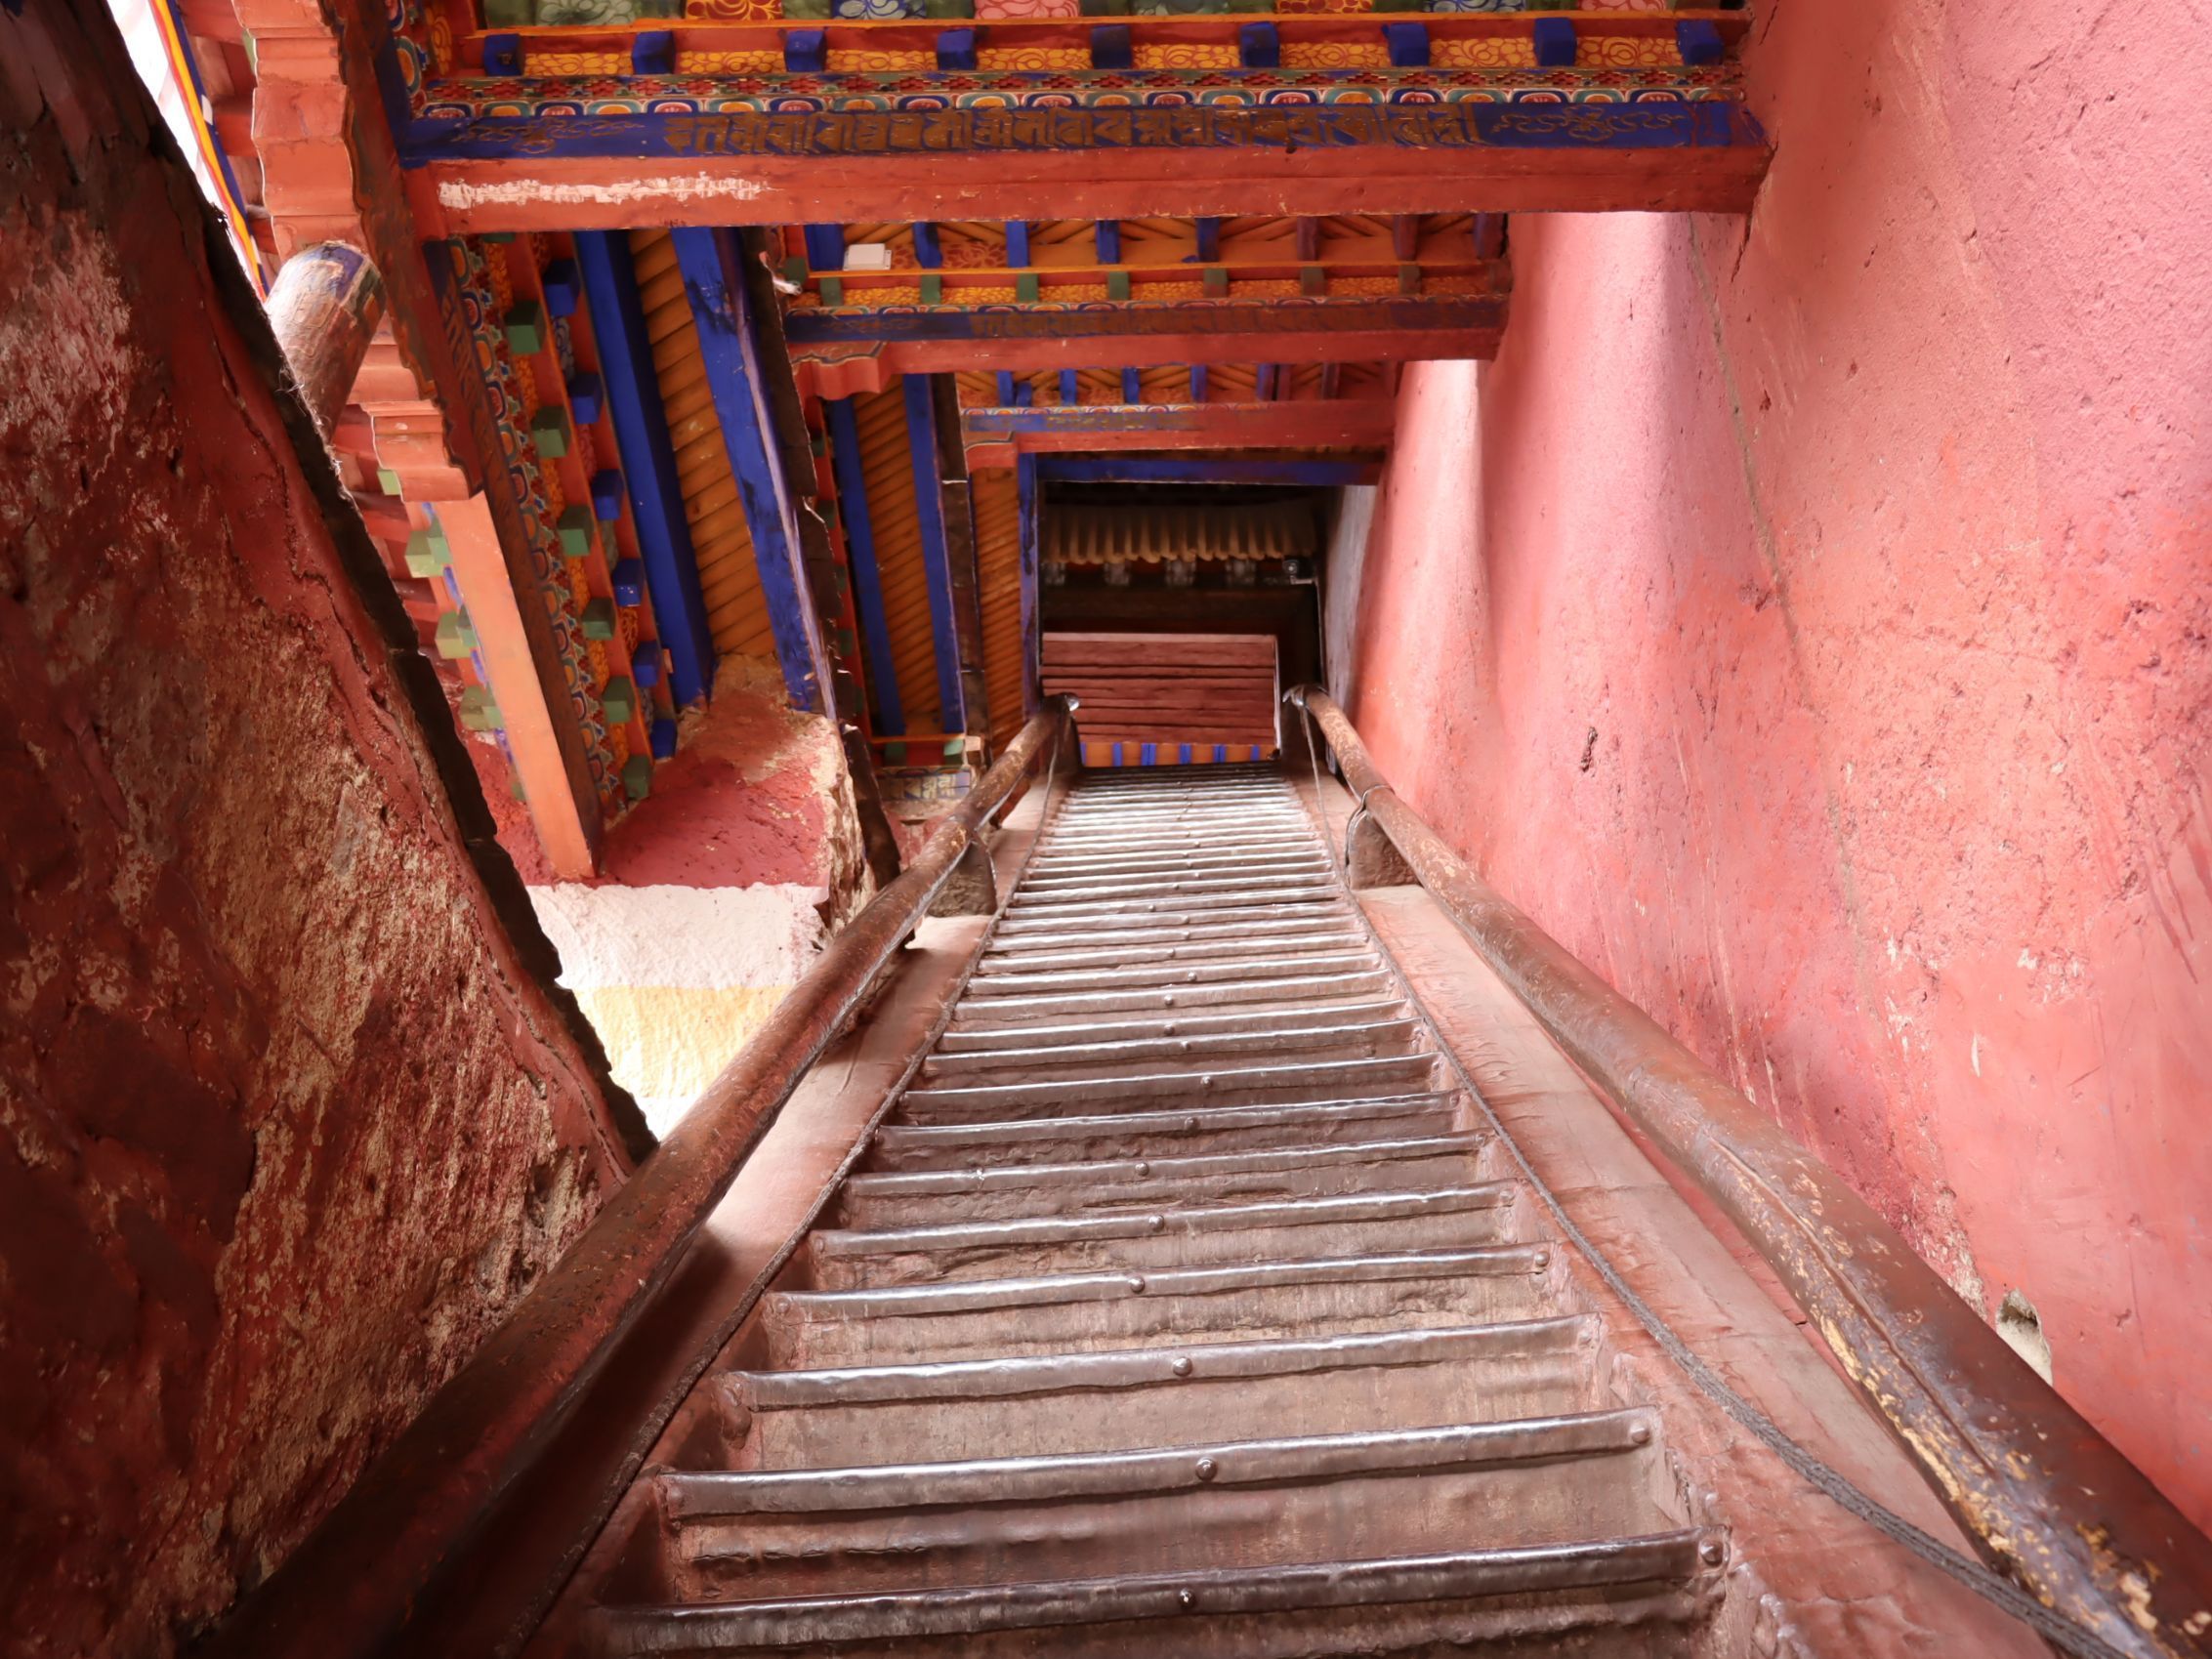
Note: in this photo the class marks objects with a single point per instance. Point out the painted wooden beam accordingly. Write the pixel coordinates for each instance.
(536, 172)
(566, 820)
(648, 461)
(1221, 470)
(873, 345)
(929, 503)
(996, 436)
(708, 261)
(860, 552)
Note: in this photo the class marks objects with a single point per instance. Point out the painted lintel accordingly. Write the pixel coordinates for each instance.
(929, 503)
(996, 436)
(551, 171)
(709, 263)
(860, 553)
(648, 461)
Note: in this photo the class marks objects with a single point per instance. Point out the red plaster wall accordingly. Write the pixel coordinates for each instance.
(1807, 621)
(283, 1125)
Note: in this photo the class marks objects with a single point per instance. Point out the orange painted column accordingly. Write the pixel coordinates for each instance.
(503, 650)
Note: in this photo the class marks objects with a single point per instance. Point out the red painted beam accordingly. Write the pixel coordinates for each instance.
(996, 436)
(841, 372)
(556, 192)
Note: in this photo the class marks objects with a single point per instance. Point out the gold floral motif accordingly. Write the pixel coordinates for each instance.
(1625, 52)
(1055, 58)
(730, 63)
(1334, 55)
(549, 63)
(1187, 54)
(1482, 51)
(878, 61)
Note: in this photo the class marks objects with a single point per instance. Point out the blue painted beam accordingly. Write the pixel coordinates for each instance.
(1005, 386)
(825, 247)
(1209, 242)
(1197, 383)
(649, 461)
(709, 263)
(928, 254)
(929, 502)
(1017, 243)
(1029, 499)
(1108, 236)
(1071, 387)
(1202, 470)
(1132, 387)
(860, 555)
(1264, 383)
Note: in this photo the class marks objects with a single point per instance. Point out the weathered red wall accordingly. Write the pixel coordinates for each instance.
(1807, 621)
(283, 1124)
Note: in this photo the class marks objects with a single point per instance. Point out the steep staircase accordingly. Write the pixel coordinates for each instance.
(1178, 1306)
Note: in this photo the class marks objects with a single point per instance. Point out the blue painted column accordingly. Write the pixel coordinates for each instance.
(860, 553)
(709, 262)
(648, 461)
(929, 502)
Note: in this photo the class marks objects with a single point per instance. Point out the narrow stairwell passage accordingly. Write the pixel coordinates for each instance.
(1176, 1307)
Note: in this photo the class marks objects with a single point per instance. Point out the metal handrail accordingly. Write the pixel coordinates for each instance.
(346, 1592)
(2044, 1496)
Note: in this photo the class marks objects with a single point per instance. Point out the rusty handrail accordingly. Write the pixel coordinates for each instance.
(2045, 1497)
(346, 1592)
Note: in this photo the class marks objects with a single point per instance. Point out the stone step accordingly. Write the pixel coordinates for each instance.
(1228, 1085)
(1141, 1057)
(1271, 1016)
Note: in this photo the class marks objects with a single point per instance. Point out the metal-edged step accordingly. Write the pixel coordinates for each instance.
(1341, 936)
(1102, 1136)
(1139, 1057)
(1271, 1017)
(1228, 1085)
(1121, 1400)
(1608, 1599)
(1081, 1313)
(997, 1191)
(1219, 995)
(1217, 1503)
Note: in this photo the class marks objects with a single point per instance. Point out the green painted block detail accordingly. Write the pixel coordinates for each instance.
(455, 637)
(637, 776)
(525, 328)
(1117, 285)
(549, 431)
(954, 748)
(599, 620)
(1409, 279)
(1313, 279)
(1105, 8)
(1215, 280)
(895, 754)
(388, 480)
(509, 14)
(1563, 6)
(514, 788)
(795, 269)
(1399, 5)
(806, 11)
(818, 445)
(576, 526)
(948, 8)
(427, 553)
(1026, 287)
(478, 713)
(932, 289)
(833, 290)
(499, 238)
(619, 700)
(848, 642)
